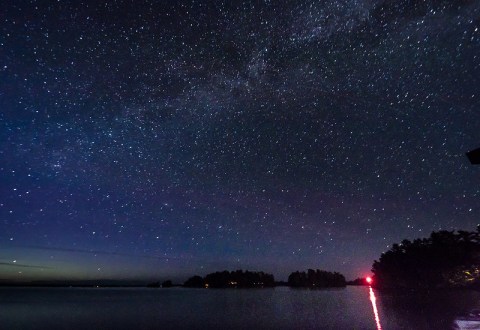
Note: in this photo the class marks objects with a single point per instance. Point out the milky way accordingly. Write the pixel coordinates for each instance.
(155, 139)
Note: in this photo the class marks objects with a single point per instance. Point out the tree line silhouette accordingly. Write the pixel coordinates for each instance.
(316, 279)
(445, 259)
(240, 279)
(234, 279)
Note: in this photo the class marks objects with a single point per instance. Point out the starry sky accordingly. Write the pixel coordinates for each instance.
(162, 139)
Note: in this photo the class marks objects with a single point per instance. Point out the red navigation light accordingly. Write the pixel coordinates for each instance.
(369, 280)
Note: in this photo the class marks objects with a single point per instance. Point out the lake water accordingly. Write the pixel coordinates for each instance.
(279, 308)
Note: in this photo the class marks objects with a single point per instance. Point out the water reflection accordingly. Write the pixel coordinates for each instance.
(422, 309)
(375, 310)
(279, 308)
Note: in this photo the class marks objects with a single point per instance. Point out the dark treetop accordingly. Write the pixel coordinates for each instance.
(234, 279)
(445, 259)
(316, 279)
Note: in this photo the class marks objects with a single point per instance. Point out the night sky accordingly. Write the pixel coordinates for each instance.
(162, 139)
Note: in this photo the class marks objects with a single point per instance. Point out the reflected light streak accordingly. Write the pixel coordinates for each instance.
(375, 311)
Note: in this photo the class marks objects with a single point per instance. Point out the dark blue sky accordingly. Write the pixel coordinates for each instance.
(160, 139)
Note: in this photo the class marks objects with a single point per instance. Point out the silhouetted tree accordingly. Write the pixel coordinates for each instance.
(167, 284)
(153, 285)
(358, 281)
(239, 279)
(316, 279)
(194, 282)
(446, 258)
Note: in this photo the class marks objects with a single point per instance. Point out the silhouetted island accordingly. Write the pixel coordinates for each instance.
(153, 285)
(359, 281)
(445, 259)
(194, 282)
(167, 284)
(234, 279)
(316, 279)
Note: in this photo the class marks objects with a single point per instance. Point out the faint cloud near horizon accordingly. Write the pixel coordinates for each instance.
(62, 249)
(13, 264)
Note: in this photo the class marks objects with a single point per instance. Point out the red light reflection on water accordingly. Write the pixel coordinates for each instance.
(375, 310)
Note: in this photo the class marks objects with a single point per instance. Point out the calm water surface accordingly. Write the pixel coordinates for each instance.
(279, 308)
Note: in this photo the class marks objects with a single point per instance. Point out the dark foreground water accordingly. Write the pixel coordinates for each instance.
(279, 308)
